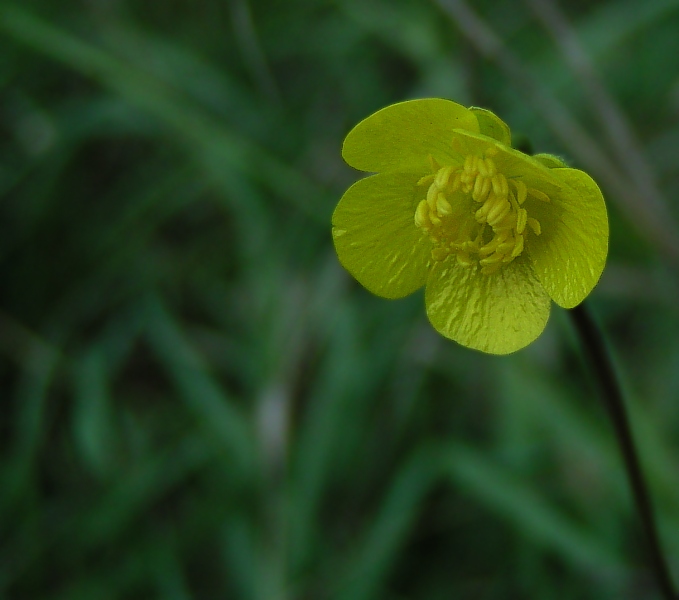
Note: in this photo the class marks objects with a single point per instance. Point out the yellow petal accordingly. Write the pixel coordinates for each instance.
(403, 135)
(570, 254)
(376, 238)
(498, 313)
(492, 125)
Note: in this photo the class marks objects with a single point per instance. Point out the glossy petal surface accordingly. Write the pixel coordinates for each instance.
(376, 238)
(403, 135)
(498, 314)
(570, 255)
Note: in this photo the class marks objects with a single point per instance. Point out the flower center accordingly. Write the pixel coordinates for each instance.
(492, 232)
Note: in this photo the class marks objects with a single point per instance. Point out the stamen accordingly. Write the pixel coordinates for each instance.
(432, 193)
(504, 184)
(485, 190)
(480, 214)
(518, 249)
(422, 215)
(535, 225)
(498, 213)
(478, 187)
(521, 190)
(443, 207)
(442, 177)
(521, 219)
(538, 195)
(492, 234)
(509, 222)
(487, 249)
(490, 260)
(497, 185)
(506, 247)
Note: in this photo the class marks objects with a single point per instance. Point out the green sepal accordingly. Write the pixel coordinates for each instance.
(492, 125)
(550, 161)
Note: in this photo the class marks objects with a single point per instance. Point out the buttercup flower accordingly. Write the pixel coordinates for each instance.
(493, 233)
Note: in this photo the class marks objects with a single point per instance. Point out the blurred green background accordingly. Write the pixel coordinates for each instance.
(198, 403)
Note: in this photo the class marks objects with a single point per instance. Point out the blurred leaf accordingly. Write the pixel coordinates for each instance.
(528, 512)
(204, 397)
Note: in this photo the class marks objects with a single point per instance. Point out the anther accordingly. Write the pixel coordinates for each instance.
(504, 184)
(518, 249)
(443, 207)
(422, 214)
(521, 190)
(443, 176)
(534, 224)
(426, 179)
(502, 236)
(498, 212)
(490, 260)
(521, 219)
(505, 247)
(538, 195)
(497, 185)
(432, 193)
(489, 248)
(480, 214)
(478, 187)
(485, 190)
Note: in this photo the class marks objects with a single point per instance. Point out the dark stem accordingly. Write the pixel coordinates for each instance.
(599, 359)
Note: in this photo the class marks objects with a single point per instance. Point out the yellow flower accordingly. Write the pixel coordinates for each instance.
(493, 233)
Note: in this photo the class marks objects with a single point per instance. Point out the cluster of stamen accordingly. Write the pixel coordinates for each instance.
(494, 232)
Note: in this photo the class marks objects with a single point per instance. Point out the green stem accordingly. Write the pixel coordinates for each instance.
(599, 359)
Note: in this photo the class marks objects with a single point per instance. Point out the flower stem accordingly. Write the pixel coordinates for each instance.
(594, 347)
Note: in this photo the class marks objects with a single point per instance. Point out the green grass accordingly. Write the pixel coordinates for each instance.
(199, 403)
